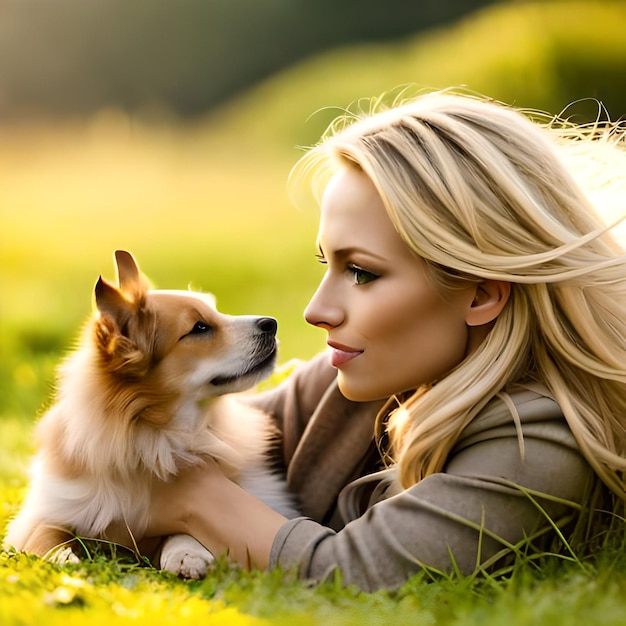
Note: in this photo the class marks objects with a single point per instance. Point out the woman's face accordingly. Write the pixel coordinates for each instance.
(390, 329)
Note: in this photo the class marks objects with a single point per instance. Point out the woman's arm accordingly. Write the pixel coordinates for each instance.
(489, 498)
(203, 503)
(465, 515)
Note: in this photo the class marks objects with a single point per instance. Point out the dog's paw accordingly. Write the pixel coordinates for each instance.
(189, 565)
(186, 557)
(62, 555)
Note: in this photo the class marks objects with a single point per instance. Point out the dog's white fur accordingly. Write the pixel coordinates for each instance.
(146, 393)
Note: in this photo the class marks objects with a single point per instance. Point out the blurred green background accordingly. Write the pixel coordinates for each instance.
(169, 128)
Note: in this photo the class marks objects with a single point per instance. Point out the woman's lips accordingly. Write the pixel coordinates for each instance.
(342, 354)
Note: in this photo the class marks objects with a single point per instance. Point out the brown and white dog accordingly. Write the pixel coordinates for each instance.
(141, 397)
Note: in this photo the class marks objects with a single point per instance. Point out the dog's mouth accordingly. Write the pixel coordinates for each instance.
(255, 367)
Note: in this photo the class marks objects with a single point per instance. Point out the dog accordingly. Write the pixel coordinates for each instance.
(150, 389)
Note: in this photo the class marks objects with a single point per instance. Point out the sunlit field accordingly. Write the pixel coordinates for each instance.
(205, 205)
(197, 209)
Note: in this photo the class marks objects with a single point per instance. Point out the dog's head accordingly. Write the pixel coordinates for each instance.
(164, 346)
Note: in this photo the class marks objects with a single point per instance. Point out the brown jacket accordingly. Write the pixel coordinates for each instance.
(486, 500)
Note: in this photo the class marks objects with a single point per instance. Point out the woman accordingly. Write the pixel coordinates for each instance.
(475, 309)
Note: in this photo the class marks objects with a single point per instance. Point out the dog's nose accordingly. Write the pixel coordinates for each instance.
(267, 325)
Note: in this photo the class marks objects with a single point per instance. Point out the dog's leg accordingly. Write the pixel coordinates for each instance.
(52, 543)
(183, 555)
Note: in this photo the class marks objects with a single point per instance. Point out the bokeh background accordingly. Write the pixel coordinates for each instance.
(169, 127)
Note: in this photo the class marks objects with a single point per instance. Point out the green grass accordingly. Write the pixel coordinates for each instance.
(205, 205)
(101, 590)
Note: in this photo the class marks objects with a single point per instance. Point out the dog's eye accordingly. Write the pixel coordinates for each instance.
(199, 328)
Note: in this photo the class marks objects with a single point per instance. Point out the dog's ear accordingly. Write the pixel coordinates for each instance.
(116, 331)
(118, 305)
(124, 313)
(112, 302)
(127, 299)
(132, 282)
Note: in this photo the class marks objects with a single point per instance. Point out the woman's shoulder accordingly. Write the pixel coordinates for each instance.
(523, 411)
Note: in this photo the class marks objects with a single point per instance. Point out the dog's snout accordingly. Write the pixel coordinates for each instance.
(267, 325)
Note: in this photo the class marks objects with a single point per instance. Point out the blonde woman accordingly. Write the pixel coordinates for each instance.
(472, 403)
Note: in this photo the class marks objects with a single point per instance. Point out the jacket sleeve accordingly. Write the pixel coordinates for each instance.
(488, 498)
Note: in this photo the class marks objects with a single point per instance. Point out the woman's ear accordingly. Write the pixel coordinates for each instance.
(488, 302)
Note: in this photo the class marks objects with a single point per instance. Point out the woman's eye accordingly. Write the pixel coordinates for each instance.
(199, 328)
(361, 276)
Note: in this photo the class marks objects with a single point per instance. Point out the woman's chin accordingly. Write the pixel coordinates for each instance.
(358, 392)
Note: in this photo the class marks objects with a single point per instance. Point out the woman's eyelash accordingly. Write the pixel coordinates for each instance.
(361, 276)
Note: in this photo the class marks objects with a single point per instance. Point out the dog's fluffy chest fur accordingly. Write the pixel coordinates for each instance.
(91, 471)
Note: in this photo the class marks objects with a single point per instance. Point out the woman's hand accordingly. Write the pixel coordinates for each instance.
(172, 502)
(202, 502)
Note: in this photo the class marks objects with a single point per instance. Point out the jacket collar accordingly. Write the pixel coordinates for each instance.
(330, 452)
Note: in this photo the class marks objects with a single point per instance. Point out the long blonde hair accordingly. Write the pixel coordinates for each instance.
(480, 191)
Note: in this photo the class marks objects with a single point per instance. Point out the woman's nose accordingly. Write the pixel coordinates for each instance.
(323, 311)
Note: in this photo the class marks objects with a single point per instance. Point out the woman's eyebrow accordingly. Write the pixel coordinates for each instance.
(347, 252)
(351, 250)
